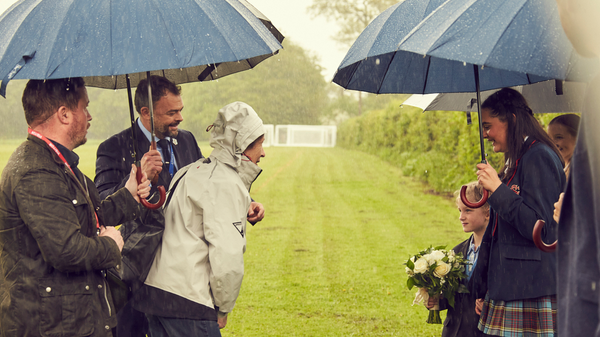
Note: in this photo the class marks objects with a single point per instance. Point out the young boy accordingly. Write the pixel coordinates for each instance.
(461, 320)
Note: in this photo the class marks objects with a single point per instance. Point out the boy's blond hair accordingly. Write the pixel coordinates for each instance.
(474, 193)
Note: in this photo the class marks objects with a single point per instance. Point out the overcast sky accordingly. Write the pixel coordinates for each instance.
(291, 18)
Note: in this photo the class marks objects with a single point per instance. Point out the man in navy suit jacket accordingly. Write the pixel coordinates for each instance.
(176, 149)
(115, 153)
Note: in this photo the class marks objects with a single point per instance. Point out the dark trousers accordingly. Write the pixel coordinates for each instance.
(179, 327)
(131, 323)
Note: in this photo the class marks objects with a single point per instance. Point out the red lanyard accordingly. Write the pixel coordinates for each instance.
(55, 149)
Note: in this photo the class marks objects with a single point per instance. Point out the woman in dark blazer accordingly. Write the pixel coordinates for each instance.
(516, 285)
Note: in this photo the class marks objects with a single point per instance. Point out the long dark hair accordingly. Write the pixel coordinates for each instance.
(505, 103)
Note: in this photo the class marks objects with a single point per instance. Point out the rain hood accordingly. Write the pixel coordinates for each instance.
(236, 127)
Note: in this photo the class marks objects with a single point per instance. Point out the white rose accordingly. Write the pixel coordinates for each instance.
(438, 255)
(442, 269)
(421, 266)
(429, 258)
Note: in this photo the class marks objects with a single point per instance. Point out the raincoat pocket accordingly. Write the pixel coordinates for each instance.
(66, 308)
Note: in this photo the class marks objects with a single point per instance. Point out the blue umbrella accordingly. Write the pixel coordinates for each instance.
(461, 46)
(422, 47)
(114, 43)
(184, 40)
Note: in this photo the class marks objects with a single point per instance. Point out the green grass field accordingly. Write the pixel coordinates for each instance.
(327, 260)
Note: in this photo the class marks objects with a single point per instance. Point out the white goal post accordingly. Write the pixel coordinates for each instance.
(302, 135)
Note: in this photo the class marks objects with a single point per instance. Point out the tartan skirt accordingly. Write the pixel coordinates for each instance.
(531, 317)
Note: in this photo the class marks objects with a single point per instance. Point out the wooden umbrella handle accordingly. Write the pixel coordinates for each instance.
(161, 190)
(463, 198)
(537, 238)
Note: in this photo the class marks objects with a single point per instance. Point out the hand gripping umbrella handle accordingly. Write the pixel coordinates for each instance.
(161, 190)
(463, 198)
(537, 238)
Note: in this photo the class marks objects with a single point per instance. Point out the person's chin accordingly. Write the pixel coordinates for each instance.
(497, 148)
(80, 142)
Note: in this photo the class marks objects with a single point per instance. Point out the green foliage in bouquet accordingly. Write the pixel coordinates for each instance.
(438, 270)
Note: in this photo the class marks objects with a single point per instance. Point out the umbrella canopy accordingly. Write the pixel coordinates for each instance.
(542, 97)
(114, 44)
(183, 40)
(514, 42)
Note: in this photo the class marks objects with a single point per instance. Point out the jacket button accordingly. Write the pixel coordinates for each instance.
(99, 286)
(74, 202)
(87, 287)
(48, 289)
(106, 327)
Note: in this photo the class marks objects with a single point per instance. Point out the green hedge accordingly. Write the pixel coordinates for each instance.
(437, 147)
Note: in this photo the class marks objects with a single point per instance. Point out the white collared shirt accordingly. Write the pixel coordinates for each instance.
(148, 136)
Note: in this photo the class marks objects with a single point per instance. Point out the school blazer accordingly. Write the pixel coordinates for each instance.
(516, 269)
(461, 320)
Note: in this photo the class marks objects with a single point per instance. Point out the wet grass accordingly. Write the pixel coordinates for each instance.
(327, 258)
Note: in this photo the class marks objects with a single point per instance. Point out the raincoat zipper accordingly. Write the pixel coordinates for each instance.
(105, 295)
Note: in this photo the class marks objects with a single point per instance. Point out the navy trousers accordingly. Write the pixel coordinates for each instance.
(179, 327)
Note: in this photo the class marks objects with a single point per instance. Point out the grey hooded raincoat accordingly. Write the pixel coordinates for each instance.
(198, 268)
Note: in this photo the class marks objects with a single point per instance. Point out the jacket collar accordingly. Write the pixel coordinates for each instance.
(42, 144)
(71, 157)
(248, 172)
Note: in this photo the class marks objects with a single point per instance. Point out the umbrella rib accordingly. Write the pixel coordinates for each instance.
(426, 74)
(163, 23)
(65, 18)
(383, 78)
(226, 36)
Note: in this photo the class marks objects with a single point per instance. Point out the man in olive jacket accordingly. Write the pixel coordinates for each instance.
(53, 243)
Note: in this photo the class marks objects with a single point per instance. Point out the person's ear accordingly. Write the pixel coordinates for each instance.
(144, 112)
(64, 114)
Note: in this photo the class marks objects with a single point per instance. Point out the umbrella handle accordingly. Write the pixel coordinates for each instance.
(463, 198)
(161, 190)
(537, 238)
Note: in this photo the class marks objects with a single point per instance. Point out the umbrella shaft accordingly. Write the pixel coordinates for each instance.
(150, 107)
(132, 117)
(476, 72)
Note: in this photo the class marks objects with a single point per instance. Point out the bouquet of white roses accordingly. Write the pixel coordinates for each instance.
(436, 271)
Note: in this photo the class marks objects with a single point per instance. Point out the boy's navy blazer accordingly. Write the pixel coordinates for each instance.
(461, 320)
